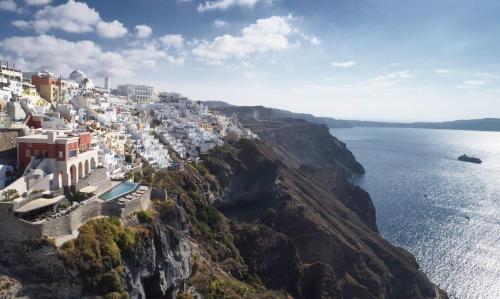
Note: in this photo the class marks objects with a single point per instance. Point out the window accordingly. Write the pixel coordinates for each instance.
(36, 153)
(27, 153)
(60, 155)
(72, 154)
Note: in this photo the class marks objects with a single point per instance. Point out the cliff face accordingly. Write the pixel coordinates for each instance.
(320, 247)
(257, 219)
(154, 265)
(309, 148)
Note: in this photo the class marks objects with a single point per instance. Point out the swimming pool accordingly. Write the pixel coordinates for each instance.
(119, 190)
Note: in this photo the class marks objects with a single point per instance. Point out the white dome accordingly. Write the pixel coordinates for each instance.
(77, 76)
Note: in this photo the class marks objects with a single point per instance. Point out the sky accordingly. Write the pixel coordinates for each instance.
(388, 60)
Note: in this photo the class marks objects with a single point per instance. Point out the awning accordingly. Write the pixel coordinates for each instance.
(89, 189)
(39, 203)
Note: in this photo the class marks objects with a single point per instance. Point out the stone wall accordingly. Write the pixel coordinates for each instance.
(8, 145)
(16, 229)
(67, 224)
(142, 203)
(160, 194)
(13, 228)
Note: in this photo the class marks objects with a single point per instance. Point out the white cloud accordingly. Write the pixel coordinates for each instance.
(220, 23)
(113, 29)
(443, 71)
(344, 64)
(394, 76)
(486, 76)
(173, 40)
(265, 35)
(37, 2)
(390, 79)
(62, 56)
(225, 4)
(72, 17)
(47, 50)
(20, 24)
(480, 80)
(313, 40)
(143, 31)
(475, 82)
(9, 5)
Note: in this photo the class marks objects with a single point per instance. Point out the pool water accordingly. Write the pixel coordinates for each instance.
(119, 190)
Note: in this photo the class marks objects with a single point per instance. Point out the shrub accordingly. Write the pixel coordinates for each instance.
(183, 295)
(145, 216)
(9, 195)
(111, 281)
(116, 295)
(229, 288)
(97, 255)
(80, 196)
(38, 191)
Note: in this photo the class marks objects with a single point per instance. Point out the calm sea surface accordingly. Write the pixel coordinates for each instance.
(444, 211)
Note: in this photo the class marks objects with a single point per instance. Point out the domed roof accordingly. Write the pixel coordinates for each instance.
(77, 76)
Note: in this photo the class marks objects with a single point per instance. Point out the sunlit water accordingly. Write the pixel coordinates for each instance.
(444, 211)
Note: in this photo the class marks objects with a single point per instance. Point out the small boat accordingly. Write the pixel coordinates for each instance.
(465, 158)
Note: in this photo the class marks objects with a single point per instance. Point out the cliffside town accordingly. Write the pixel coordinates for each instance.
(132, 193)
(75, 144)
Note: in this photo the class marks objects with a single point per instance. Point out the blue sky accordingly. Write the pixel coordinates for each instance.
(356, 59)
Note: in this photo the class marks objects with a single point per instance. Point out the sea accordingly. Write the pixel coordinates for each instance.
(445, 212)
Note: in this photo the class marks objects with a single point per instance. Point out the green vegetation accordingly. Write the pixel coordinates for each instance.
(213, 286)
(219, 288)
(209, 228)
(63, 205)
(183, 295)
(9, 195)
(207, 222)
(97, 255)
(135, 176)
(38, 191)
(145, 216)
(163, 206)
(116, 295)
(80, 196)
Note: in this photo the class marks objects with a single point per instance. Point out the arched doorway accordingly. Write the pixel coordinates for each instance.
(65, 179)
(87, 167)
(93, 164)
(73, 175)
(80, 171)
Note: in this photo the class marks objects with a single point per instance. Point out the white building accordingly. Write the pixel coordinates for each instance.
(134, 92)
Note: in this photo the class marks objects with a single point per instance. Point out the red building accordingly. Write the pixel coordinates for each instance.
(69, 156)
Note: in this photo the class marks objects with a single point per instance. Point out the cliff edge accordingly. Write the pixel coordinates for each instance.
(269, 218)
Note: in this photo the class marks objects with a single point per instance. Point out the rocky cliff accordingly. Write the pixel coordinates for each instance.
(109, 259)
(274, 218)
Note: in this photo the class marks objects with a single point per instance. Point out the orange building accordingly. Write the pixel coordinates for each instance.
(49, 87)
